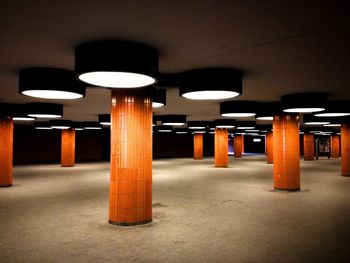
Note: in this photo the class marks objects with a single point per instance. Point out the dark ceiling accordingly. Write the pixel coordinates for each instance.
(282, 46)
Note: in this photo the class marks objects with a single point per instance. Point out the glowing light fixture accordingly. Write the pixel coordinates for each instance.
(245, 125)
(164, 128)
(104, 119)
(60, 124)
(116, 64)
(267, 110)
(42, 125)
(45, 110)
(336, 108)
(309, 119)
(225, 123)
(332, 125)
(50, 83)
(238, 109)
(197, 125)
(159, 97)
(211, 83)
(172, 119)
(92, 125)
(181, 131)
(304, 102)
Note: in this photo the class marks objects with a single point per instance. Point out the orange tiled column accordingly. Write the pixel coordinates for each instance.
(130, 195)
(286, 160)
(345, 149)
(269, 147)
(221, 147)
(198, 146)
(68, 148)
(238, 145)
(309, 144)
(6, 151)
(335, 145)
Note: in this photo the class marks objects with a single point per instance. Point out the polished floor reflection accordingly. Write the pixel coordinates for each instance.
(200, 214)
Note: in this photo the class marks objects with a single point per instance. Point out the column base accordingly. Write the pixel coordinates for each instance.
(221, 166)
(346, 175)
(130, 223)
(286, 190)
(67, 165)
(7, 185)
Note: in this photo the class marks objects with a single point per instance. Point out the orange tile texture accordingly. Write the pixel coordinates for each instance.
(6, 151)
(68, 148)
(286, 160)
(221, 147)
(269, 147)
(345, 149)
(335, 146)
(309, 150)
(130, 195)
(198, 146)
(238, 141)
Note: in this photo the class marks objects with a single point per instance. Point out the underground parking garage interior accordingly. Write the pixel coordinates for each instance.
(175, 131)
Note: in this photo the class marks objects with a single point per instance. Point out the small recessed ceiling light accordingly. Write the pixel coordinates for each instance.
(198, 132)
(43, 128)
(79, 129)
(164, 130)
(174, 123)
(252, 130)
(181, 132)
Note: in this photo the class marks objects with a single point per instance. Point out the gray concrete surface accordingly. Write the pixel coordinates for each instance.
(201, 214)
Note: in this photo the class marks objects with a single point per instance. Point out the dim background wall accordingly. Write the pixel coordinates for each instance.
(44, 146)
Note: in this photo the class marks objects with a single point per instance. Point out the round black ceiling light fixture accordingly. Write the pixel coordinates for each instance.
(310, 119)
(225, 123)
(20, 113)
(50, 83)
(267, 110)
(92, 125)
(45, 110)
(181, 131)
(197, 125)
(42, 125)
(304, 102)
(164, 128)
(60, 124)
(210, 83)
(239, 109)
(245, 125)
(104, 119)
(159, 97)
(116, 64)
(172, 119)
(337, 108)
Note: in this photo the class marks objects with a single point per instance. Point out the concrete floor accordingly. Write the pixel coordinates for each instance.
(201, 214)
